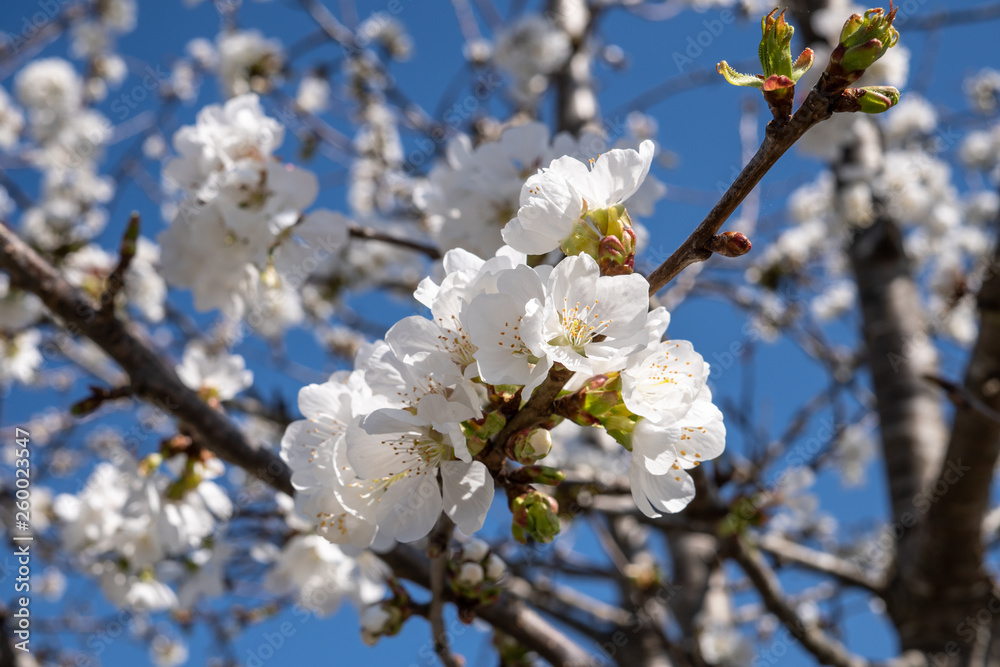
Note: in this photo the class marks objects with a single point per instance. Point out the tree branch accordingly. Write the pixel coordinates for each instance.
(826, 649)
(151, 379)
(944, 572)
(778, 138)
(818, 561)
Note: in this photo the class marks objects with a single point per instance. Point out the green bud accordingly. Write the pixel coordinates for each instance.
(876, 99)
(861, 57)
(870, 99)
(535, 515)
(775, 46)
(863, 41)
(875, 25)
(582, 239)
(780, 72)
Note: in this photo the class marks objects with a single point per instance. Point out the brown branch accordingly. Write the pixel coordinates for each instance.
(151, 379)
(825, 648)
(778, 138)
(818, 561)
(537, 410)
(358, 232)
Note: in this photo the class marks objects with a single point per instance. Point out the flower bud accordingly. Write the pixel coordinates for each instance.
(730, 244)
(378, 620)
(859, 34)
(475, 550)
(535, 515)
(780, 72)
(876, 99)
(526, 446)
(495, 568)
(470, 574)
(863, 41)
(870, 99)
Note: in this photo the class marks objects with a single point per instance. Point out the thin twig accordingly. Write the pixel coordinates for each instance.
(368, 234)
(440, 539)
(116, 281)
(778, 138)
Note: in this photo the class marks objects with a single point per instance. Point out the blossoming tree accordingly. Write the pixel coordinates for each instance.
(491, 405)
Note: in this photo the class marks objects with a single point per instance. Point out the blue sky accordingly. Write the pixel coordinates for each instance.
(700, 126)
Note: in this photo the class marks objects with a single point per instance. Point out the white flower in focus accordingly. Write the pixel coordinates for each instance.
(219, 376)
(555, 198)
(665, 380)
(581, 307)
(504, 326)
(397, 457)
(663, 451)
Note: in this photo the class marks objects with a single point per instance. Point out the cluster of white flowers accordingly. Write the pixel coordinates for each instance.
(239, 238)
(385, 448)
(64, 141)
(470, 195)
(132, 517)
(321, 574)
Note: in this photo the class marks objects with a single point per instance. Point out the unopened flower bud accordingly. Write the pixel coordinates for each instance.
(470, 574)
(529, 446)
(780, 72)
(863, 41)
(870, 99)
(376, 620)
(730, 244)
(475, 550)
(495, 567)
(876, 99)
(536, 516)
